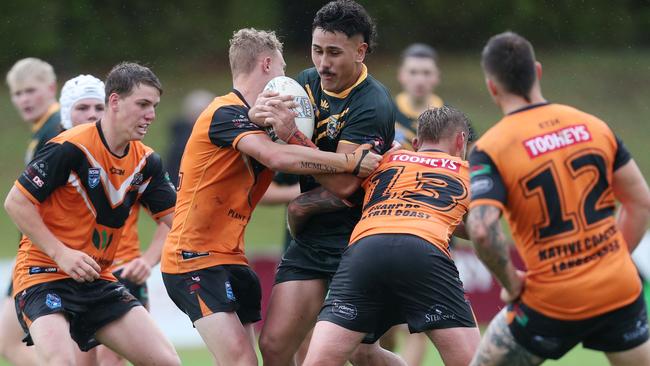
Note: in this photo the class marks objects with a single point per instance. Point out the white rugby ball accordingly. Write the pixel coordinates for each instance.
(305, 119)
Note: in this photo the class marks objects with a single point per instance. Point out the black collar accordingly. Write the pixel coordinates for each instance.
(98, 124)
(530, 106)
(240, 96)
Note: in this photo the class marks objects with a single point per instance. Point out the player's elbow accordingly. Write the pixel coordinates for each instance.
(11, 203)
(280, 161)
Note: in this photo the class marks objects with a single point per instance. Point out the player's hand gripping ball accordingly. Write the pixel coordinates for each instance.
(304, 111)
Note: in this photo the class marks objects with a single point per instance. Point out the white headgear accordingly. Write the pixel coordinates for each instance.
(76, 89)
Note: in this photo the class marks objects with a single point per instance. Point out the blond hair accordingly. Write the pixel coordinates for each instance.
(30, 68)
(246, 45)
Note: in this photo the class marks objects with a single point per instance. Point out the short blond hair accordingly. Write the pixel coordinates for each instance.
(30, 68)
(246, 45)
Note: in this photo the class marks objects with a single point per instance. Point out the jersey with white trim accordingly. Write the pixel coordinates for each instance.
(84, 194)
(363, 113)
(549, 167)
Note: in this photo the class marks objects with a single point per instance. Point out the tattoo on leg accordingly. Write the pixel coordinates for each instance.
(498, 347)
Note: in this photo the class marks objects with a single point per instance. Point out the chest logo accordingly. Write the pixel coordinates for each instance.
(93, 177)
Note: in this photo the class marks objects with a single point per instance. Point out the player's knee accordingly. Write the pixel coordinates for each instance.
(168, 357)
(58, 358)
(270, 346)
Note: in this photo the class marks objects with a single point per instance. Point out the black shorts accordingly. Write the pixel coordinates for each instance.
(616, 331)
(141, 292)
(390, 279)
(224, 288)
(88, 306)
(301, 263)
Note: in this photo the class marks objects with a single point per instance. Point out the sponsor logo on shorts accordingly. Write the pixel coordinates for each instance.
(641, 331)
(126, 296)
(93, 177)
(344, 310)
(53, 301)
(438, 313)
(229, 294)
(191, 255)
(38, 270)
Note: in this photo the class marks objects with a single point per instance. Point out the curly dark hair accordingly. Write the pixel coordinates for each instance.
(348, 17)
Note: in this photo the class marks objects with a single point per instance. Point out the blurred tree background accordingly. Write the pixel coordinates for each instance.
(75, 33)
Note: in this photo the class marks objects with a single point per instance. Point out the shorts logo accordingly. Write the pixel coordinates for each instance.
(53, 301)
(344, 310)
(229, 294)
(37, 270)
(126, 296)
(93, 177)
(641, 331)
(439, 313)
(191, 255)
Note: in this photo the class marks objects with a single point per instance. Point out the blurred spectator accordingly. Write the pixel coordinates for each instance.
(418, 75)
(181, 129)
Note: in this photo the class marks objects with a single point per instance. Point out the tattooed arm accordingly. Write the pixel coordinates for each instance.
(303, 207)
(485, 231)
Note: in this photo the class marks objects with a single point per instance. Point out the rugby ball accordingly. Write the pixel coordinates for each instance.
(305, 119)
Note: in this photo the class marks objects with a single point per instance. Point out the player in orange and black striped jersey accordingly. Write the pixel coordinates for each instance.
(398, 268)
(556, 173)
(71, 203)
(351, 108)
(226, 168)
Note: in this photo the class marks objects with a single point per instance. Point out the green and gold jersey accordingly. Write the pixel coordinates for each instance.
(406, 126)
(363, 113)
(46, 128)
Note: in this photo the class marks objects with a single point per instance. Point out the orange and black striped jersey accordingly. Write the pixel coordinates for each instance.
(422, 193)
(84, 194)
(129, 248)
(550, 168)
(217, 191)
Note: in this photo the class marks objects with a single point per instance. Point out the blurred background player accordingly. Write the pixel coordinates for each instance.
(193, 104)
(556, 172)
(64, 290)
(418, 76)
(32, 85)
(82, 101)
(226, 167)
(398, 267)
(352, 108)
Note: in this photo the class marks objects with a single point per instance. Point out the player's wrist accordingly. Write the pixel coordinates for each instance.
(299, 138)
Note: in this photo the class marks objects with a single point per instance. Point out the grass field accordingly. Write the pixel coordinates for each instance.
(609, 84)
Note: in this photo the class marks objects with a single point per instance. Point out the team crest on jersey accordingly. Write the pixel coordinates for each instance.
(93, 177)
(333, 126)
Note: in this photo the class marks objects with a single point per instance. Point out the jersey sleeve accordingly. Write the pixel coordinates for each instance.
(486, 184)
(229, 124)
(622, 155)
(49, 169)
(371, 125)
(160, 195)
